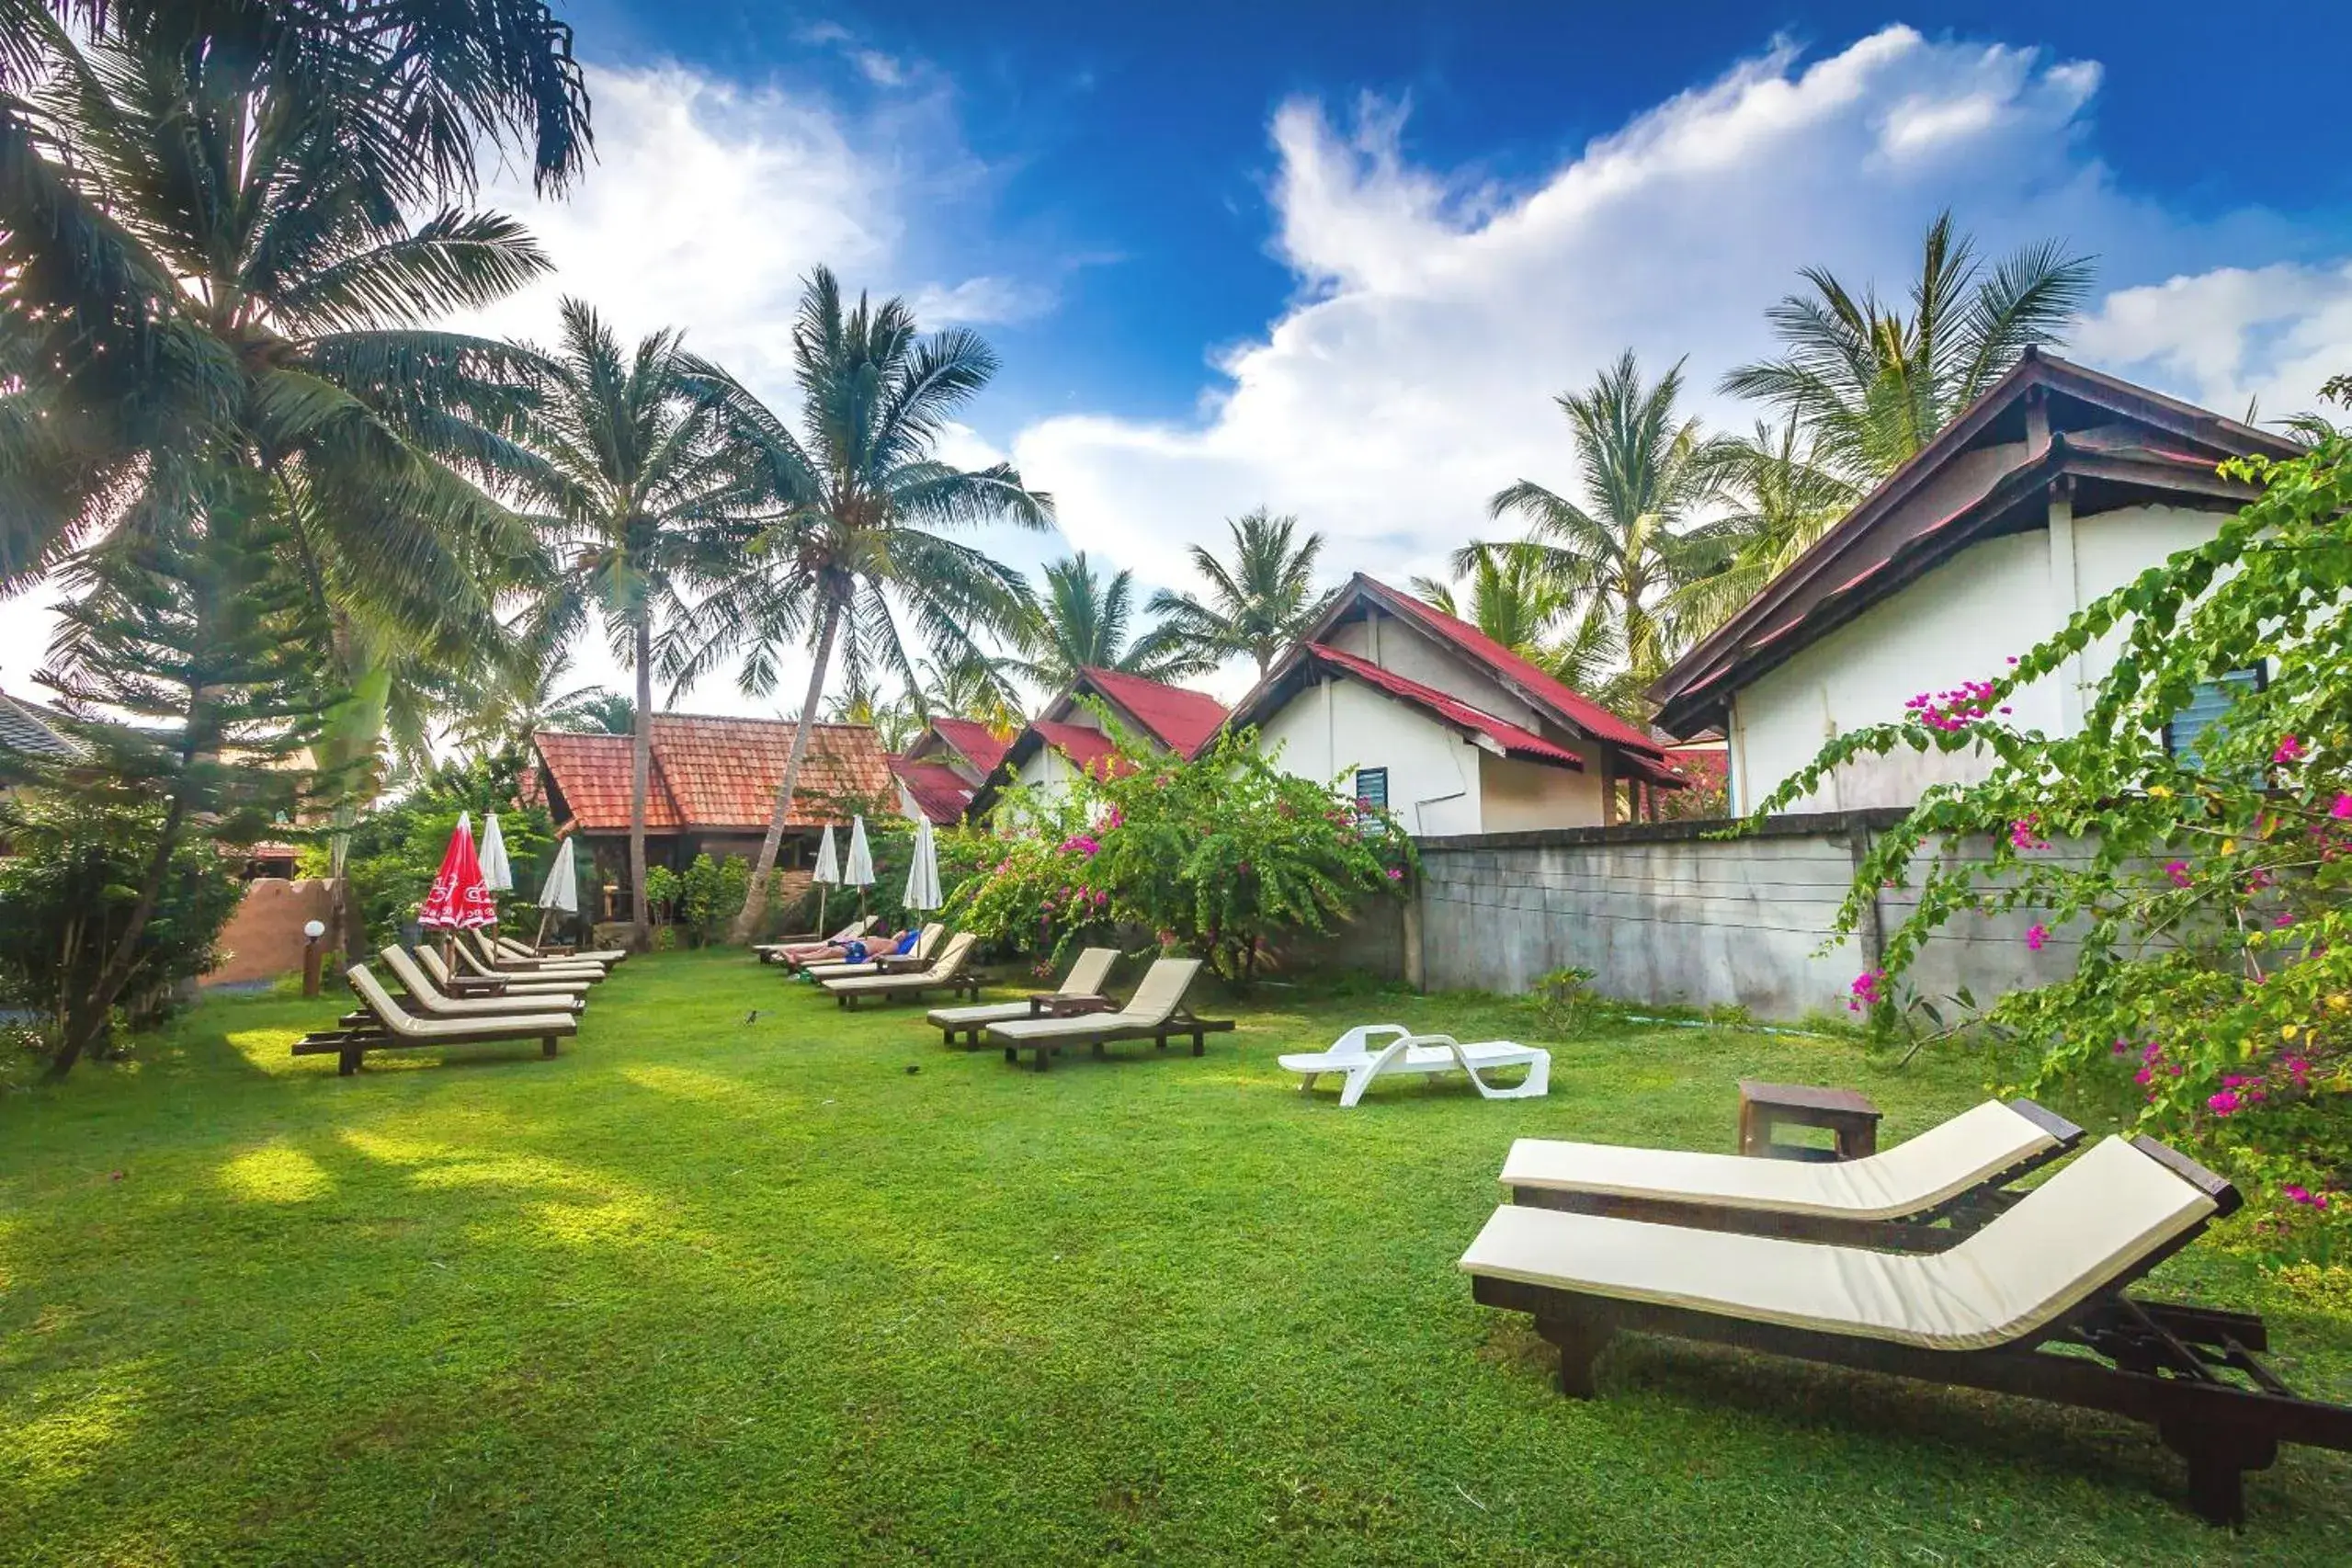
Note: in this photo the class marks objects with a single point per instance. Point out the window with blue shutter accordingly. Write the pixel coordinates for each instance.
(2210, 700)
(1372, 787)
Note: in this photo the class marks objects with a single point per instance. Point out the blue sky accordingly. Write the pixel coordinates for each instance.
(1338, 260)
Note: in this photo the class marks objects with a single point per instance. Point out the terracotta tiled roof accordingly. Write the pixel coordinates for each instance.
(591, 772)
(937, 790)
(1179, 719)
(978, 744)
(1546, 689)
(1090, 750)
(712, 773)
(1513, 740)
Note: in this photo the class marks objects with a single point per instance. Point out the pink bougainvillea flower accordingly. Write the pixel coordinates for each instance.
(2283, 918)
(1396, 873)
(2224, 1104)
(2178, 871)
(2342, 809)
(2026, 833)
(2145, 1076)
(2036, 935)
(2289, 750)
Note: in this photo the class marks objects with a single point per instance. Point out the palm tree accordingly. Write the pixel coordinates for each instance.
(1512, 596)
(1081, 621)
(966, 688)
(503, 715)
(861, 509)
(1784, 495)
(1873, 385)
(643, 488)
(206, 260)
(895, 723)
(203, 238)
(1646, 473)
(1259, 604)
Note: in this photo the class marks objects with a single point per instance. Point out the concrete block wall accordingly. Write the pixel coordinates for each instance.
(1664, 916)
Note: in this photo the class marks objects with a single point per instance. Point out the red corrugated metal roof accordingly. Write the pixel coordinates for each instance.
(1090, 750)
(1453, 711)
(1179, 719)
(979, 745)
(711, 772)
(938, 792)
(1587, 714)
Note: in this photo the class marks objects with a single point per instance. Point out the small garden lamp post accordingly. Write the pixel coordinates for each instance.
(311, 931)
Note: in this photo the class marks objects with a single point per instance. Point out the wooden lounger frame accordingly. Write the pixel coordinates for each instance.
(1181, 1022)
(2163, 1364)
(1936, 1229)
(358, 1033)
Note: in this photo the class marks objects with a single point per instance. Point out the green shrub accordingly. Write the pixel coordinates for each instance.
(68, 889)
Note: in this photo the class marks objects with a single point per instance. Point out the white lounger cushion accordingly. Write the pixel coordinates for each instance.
(2081, 1231)
(1155, 1002)
(607, 956)
(1085, 979)
(925, 940)
(428, 999)
(1913, 1177)
(948, 966)
(397, 1020)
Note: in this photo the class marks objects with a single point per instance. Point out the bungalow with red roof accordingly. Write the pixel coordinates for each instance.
(948, 761)
(1069, 737)
(1425, 715)
(2056, 486)
(711, 788)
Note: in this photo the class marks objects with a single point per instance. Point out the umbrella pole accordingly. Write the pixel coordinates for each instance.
(821, 890)
(544, 916)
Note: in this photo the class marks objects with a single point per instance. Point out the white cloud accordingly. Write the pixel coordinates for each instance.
(1435, 319)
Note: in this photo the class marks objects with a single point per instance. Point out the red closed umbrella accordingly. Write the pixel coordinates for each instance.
(459, 899)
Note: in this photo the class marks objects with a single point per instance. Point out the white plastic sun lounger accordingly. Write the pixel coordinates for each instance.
(520, 986)
(925, 940)
(428, 1000)
(946, 973)
(2034, 1304)
(1402, 1053)
(1087, 978)
(1957, 1170)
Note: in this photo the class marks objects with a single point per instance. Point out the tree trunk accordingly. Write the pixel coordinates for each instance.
(84, 1023)
(641, 770)
(756, 895)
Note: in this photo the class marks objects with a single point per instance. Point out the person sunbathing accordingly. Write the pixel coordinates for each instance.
(860, 949)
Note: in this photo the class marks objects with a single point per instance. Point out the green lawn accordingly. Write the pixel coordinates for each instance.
(719, 1288)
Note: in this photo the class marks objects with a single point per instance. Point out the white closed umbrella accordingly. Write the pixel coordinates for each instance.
(922, 876)
(561, 893)
(497, 875)
(859, 872)
(827, 875)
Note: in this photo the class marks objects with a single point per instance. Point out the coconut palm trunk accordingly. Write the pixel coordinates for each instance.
(640, 780)
(755, 896)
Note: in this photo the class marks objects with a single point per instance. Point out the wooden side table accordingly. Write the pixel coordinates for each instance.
(1068, 1003)
(1849, 1116)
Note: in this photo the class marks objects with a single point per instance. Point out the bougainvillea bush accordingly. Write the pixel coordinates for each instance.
(1223, 856)
(2212, 1000)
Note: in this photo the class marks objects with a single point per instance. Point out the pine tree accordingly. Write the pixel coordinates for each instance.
(189, 656)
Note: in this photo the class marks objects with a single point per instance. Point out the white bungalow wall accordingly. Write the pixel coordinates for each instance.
(1962, 622)
(1331, 730)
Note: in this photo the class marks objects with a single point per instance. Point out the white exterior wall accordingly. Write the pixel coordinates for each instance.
(1335, 728)
(1962, 622)
(1519, 795)
(1397, 647)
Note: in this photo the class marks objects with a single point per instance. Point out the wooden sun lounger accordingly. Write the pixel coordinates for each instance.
(480, 959)
(427, 998)
(1927, 1194)
(387, 1025)
(521, 987)
(1084, 980)
(524, 952)
(773, 952)
(2011, 1309)
(945, 973)
(1155, 1013)
(926, 940)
